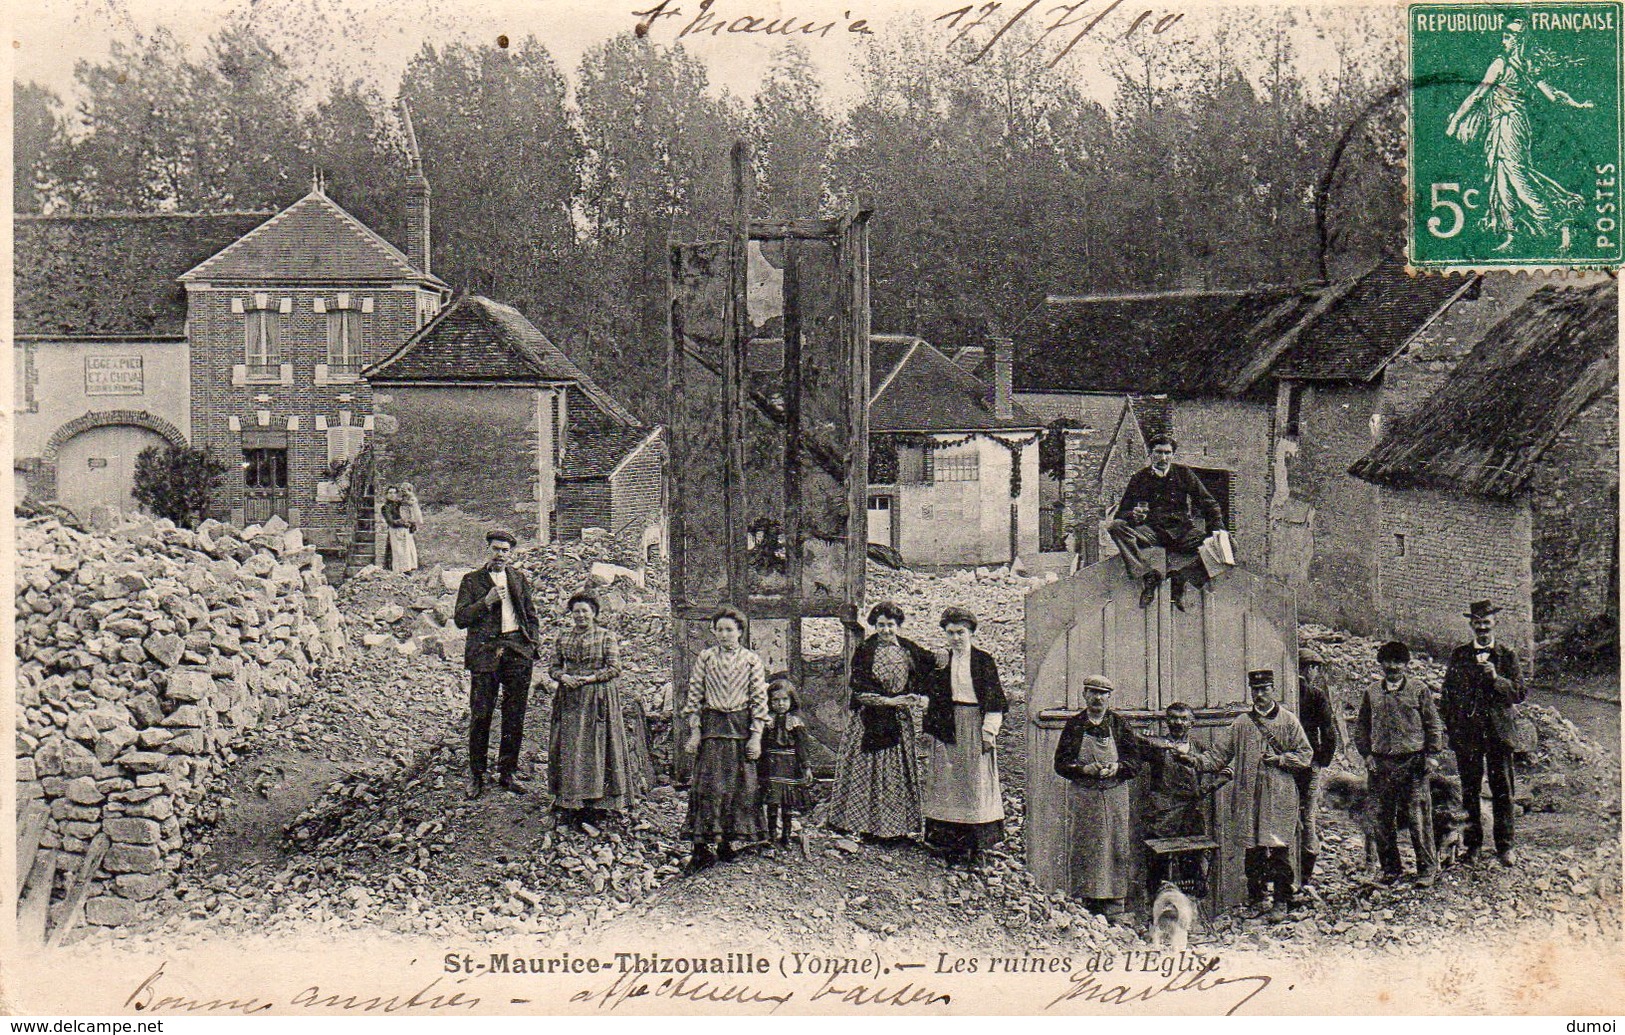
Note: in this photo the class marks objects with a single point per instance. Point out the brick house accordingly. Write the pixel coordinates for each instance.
(1503, 482)
(281, 323)
(100, 358)
(953, 469)
(485, 415)
(1127, 367)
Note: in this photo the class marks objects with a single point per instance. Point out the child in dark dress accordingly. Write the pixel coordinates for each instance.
(785, 776)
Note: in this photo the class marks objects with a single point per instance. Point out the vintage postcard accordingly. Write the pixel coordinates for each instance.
(1073, 508)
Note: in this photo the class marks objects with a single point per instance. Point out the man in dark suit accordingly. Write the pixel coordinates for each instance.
(1483, 686)
(494, 604)
(1156, 510)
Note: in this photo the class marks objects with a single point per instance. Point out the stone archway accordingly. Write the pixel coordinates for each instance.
(42, 471)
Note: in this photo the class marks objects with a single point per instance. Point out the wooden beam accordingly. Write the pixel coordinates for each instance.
(811, 228)
(736, 333)
(78, 890)
(29, 831)
(34, 900)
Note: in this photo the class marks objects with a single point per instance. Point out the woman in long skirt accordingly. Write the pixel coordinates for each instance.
(588, 768)
(403, 549)
(964, 807)
(726, 711)
(877, 781)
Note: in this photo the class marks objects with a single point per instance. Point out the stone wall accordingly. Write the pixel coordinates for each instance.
(1438, 552)
(142, 656)
(1575, 498)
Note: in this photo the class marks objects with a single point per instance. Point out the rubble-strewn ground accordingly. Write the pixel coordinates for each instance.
(352, 814)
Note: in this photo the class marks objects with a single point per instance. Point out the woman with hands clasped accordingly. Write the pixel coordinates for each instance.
(877, 780)
(964, 807)
(726, 711)
(588, 768)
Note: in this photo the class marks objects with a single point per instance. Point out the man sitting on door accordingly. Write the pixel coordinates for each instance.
(1156, 511)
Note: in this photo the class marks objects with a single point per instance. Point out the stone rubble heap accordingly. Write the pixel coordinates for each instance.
(143, 656)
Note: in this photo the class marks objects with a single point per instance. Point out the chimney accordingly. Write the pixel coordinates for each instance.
(417, 199)
(1003, 350)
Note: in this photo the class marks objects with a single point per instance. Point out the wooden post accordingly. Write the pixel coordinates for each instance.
(736, 332)
(792, 452)
(78, 890)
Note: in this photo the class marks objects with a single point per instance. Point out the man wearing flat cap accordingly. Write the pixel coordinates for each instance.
(1483, 686)
(495, 606)
(1099, 753)
(1322, 725)
(1265, 748)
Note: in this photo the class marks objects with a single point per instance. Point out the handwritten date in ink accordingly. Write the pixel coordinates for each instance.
(1059, 21)
(712, 20)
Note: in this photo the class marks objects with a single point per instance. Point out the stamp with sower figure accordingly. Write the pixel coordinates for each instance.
(1515, 135)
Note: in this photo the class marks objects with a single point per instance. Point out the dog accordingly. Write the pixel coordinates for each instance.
(1350, 793)
(1171, 916)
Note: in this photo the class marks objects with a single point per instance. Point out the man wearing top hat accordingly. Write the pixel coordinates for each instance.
(494, 604)
(1265, 747)
(1483, 685)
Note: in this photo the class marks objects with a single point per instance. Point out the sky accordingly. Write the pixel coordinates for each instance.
(373, 40)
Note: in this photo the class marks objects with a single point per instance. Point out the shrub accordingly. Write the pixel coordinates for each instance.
(176, 482)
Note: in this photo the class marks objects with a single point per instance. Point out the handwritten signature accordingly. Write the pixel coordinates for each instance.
(149, 998)
(1062, 17)
(1089, 987)
(700, 990)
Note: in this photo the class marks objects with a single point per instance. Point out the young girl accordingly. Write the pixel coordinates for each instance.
(726, 710)
(785, 776)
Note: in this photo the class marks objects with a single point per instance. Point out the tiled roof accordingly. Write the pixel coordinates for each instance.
(476, 340)
(1484, 431)
(915, 387)
(594, 453)
(1369, 323)
(311, 240)
(1184, 344)
(113, 275)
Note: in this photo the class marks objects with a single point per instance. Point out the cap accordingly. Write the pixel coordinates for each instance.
(1099, 682)
(1260, 677)
(501, 535)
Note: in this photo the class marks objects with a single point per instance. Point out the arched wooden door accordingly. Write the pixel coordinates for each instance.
(1092, 623)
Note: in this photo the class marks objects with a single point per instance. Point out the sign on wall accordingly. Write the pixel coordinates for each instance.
(113, 375)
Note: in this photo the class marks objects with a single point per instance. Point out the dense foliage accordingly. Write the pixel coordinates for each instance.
(994, 182)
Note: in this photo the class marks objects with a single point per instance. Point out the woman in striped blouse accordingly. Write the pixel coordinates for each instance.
(726, 711)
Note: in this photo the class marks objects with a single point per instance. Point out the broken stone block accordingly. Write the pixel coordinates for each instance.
(82, 791)
(109, 911)
(123, 858)
(189, 684)
(134, 831)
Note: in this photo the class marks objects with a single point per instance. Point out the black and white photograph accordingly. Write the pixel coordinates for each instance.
(765, 509)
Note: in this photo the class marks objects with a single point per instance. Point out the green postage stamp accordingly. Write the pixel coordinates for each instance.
(1515, 146)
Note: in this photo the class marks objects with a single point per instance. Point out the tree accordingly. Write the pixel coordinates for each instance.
(502, 157)
(176, 482)
(793, 135)
(656, 169)
(37, 135)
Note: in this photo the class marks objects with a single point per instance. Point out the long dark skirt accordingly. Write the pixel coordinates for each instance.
(722, 799)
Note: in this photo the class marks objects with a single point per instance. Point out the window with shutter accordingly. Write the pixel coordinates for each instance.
(344, 442)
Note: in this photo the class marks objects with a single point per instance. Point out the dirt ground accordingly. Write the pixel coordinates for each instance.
(353, 815)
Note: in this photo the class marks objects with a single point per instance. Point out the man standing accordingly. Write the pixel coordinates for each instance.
(1264, 748)
(1098, 753)
(494, 605)
(1399, 736)
(1483, 686)
(1156, 511)
(1177, 799)
(1321, 725)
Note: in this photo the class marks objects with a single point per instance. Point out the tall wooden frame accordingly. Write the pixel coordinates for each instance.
(768, 446)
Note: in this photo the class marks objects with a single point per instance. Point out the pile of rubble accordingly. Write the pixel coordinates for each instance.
(144, 655)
